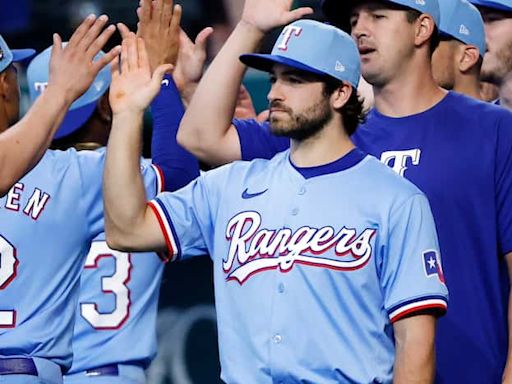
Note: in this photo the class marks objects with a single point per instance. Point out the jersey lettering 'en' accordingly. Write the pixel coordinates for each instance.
(48, 220)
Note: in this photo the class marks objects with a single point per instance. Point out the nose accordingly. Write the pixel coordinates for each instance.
(275, 92)
(360, 27)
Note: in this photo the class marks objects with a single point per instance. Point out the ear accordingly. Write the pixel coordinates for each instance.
(468, 57)
(340, 96)
(4, 83)
(103, 109)
(425, 27)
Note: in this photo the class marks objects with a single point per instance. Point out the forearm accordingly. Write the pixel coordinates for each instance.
(210, 111)
(178, 165)
(415, 352)
(123, 188)
(23, 145)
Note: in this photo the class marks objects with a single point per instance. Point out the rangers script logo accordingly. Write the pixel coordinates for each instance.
(258, 250)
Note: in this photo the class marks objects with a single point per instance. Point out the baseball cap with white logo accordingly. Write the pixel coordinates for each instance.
(314, 47)
(499, 5)
(81, 110)
(462, 21)
(338, 11)
(8, 56)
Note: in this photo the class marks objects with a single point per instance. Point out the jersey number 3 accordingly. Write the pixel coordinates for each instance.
(115, 284)
(8, 267)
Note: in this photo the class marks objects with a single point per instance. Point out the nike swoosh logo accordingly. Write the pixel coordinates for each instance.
(246, 195)
(165, 82)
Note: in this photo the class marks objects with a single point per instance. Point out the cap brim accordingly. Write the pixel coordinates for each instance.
(265, 62)
(19, 55)
(75, 119)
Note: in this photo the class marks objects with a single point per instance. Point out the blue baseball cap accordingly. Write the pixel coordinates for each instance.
(82, 109)
(314, 47)
(462, 21)
(500, 5)
(338, 11)
(8, 56)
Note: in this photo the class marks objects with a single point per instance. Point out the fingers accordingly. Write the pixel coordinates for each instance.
(157, 11)
(145, 11)
(82, 30)
(133, 55)
(184, 39)
(143, 60)
(159, 74)
(176, 20)
(114, 68)
(202, 38)
(166, 14)
(297, 14)
(93, 32)
(107, 58)
(57, 45)
(124, 56)
(123, 30)
(98, 44)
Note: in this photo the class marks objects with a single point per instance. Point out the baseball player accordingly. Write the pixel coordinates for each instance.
(119, 291)
(49, 219)
(457, 61)
(25, 142)
(497, 65)
(316, 279)
(454, 148)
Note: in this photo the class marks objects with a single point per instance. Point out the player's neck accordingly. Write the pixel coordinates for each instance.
(505, 92)
(469, 86)
(327, 146)
(410, 92)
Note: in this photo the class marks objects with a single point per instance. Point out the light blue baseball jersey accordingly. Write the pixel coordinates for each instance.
(48, 220)
(117, 306)
(311, 266)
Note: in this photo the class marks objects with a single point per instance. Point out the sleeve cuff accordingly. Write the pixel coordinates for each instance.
(173, 247)
(435, 304)
(160, 179)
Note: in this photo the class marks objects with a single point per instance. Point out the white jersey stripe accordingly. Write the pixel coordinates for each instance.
(420, 305)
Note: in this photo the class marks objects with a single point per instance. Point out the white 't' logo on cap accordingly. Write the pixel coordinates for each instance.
(463, 30)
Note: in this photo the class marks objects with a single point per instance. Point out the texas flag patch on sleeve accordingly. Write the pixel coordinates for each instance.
(432, 264)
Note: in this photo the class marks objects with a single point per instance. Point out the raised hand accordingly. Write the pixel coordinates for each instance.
(191, 58)
(72, 68)
(267, 14)
(134, 85)
(159, 26)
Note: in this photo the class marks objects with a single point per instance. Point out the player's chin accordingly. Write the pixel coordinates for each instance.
(279, 127)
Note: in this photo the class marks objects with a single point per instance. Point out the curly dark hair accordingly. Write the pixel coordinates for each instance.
(352, 112)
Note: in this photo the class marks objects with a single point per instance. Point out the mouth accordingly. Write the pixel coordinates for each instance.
(365, 51)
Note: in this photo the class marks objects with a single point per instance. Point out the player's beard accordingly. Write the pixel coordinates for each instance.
(303, 125)
(501, 68)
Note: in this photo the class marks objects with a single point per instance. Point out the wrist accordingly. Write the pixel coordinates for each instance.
(251, 29)
(128, 114)
(59, 94)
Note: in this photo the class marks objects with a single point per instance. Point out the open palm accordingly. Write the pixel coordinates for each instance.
(268, 14)
(133, 85)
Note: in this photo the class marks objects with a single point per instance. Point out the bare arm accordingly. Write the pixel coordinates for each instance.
(129, 224)
(415, 352)
(507, 374)
(72, 70)
(206, 128)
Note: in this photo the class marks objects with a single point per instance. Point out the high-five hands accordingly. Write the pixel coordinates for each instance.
(134, 84)
(72, 68)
